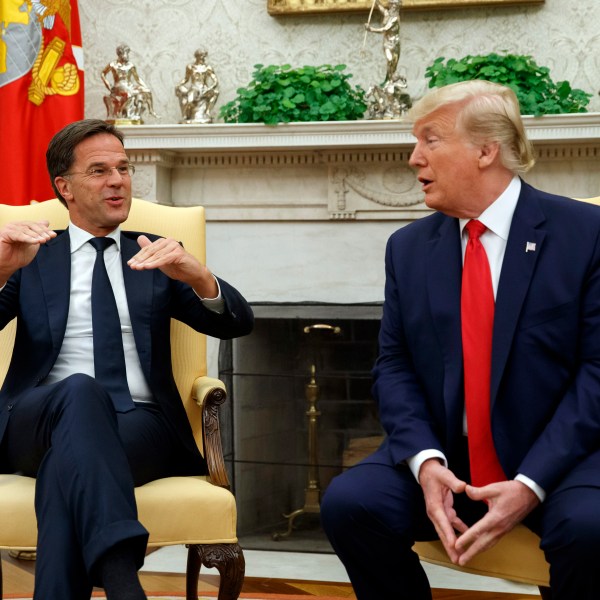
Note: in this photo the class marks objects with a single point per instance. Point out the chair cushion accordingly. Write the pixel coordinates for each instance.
(516, 557)
(198, 512)
(18, 527)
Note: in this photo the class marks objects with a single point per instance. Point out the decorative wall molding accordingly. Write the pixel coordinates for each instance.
(330, 135)
(577, 152)
(388, 187)
(250, 136)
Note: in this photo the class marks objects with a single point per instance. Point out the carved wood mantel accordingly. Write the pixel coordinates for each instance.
(328, 171)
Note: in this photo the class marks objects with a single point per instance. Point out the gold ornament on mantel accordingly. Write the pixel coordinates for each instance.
(387, 100)
(129, 97)
(197, 91)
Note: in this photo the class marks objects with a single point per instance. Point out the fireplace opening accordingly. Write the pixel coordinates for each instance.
(299, 411)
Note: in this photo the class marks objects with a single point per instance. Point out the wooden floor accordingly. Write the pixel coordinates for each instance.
(18, 579)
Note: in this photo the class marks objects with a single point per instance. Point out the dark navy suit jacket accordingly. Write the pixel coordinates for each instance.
(38, 295)
(545, 388)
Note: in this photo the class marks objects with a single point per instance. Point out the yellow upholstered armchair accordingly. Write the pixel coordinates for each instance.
(199, 512)
(517, 557)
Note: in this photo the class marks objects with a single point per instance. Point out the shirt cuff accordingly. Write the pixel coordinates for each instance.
(414, 462)
(532, 485)
(216, 304)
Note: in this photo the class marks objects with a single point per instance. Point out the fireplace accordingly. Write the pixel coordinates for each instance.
(300, 399)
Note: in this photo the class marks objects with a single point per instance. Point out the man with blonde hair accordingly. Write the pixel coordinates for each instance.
(487, 381)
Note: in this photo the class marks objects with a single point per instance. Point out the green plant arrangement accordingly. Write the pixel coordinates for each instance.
(538, 94)
(280, 94)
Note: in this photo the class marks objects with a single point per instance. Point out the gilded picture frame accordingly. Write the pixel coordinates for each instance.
(285, 7)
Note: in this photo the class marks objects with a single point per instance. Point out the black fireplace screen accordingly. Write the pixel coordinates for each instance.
(299, 408)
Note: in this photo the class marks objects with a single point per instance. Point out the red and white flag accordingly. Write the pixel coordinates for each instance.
(41, 90)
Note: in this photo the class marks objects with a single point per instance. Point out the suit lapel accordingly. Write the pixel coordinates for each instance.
(523, 248)
(444, 274)
(139, 292)
(54, 263)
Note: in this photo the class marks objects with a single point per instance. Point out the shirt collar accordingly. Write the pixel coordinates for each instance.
(79, 237)
(497, 217)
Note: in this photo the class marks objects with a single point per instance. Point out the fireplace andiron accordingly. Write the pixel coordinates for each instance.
(312, 492)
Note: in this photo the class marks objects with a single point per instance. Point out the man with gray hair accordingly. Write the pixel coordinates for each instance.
(487, 381)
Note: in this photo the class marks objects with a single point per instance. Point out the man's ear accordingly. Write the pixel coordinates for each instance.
(488, 154)
(63, 185)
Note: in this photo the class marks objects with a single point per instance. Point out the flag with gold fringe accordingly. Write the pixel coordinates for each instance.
(41, 90)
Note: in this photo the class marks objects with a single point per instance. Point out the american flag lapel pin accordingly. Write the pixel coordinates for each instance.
(530, 247)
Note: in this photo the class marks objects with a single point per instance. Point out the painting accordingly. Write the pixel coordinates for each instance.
(283, 7)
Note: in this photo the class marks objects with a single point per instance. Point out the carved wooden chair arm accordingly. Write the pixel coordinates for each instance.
(210, 393)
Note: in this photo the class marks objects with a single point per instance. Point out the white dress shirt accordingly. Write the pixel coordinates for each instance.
(497, 218)
(77, 352)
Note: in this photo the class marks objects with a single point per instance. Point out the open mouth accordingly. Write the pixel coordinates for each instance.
(425, 182)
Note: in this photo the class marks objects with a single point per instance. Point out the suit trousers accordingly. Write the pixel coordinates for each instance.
(87, 459)
(375, 511)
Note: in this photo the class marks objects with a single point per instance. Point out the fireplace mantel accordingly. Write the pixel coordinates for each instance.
(354, 170)
(233, 138)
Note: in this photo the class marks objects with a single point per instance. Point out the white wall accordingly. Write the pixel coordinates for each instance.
(163, 35)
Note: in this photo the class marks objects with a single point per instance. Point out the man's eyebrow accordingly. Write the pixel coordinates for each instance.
(102, 163)
(431, 128)
(422, 131)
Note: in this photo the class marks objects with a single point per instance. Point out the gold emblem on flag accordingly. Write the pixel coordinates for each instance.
(47, 78)
(52, 7)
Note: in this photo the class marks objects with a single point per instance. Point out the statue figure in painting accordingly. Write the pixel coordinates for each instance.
(129, 96)
(198, 90)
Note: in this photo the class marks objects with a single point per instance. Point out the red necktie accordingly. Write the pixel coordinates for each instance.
(477, 319)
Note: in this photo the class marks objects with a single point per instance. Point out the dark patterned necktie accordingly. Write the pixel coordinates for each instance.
(109, 357)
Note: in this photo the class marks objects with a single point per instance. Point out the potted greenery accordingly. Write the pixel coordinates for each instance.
(538, 94)
(281, 94)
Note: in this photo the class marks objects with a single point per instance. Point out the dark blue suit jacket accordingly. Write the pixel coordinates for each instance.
(545, 389)
(38, 295)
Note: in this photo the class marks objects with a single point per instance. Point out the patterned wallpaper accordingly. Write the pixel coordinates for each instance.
(163, 35)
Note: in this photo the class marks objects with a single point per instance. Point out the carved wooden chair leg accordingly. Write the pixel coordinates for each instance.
(192, 573)
(228, 559)
(545, 592)
(232, 568)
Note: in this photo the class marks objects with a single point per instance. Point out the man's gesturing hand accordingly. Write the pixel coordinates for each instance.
(173, 260)
(19, 243)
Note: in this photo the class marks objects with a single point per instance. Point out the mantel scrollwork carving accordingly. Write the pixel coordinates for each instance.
(352, 190)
